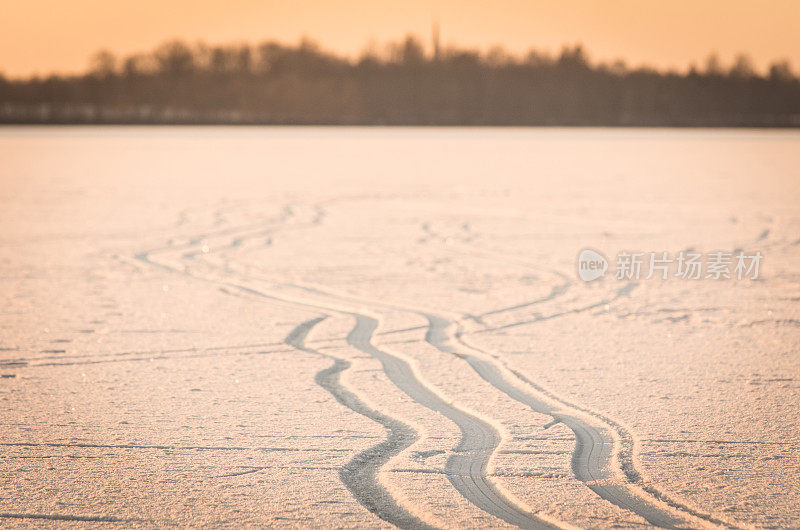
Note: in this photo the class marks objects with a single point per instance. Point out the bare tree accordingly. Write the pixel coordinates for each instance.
(303, 84)
(102, 64)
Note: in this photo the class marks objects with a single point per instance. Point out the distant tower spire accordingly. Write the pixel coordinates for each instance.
(435, 40)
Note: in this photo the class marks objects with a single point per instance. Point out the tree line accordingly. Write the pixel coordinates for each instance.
(401, 84)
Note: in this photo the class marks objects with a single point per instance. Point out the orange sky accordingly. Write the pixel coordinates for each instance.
(42, 36)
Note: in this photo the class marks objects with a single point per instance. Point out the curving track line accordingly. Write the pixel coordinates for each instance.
(596, 452)
(360, 473)
(466, 469)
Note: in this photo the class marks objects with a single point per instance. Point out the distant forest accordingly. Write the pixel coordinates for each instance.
(274, 83)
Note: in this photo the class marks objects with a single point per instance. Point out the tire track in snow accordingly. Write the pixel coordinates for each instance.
(360, 473)
(467, 468)
(596, 451)
(625, 290)
(587, 463)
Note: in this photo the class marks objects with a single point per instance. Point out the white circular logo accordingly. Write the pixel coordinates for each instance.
(591, 265)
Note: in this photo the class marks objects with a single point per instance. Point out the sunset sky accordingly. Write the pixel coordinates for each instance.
(43, 36)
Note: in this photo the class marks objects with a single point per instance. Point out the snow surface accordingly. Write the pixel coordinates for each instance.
(377, 327)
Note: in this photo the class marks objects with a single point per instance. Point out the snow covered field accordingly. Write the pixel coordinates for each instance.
(374, 327)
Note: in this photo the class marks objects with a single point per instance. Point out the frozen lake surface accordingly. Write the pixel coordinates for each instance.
(365, 327)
